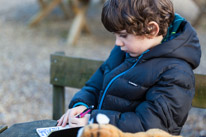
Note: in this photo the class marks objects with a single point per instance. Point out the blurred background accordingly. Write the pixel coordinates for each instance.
(25, 91)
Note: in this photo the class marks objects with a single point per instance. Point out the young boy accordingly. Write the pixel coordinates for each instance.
(147, 81)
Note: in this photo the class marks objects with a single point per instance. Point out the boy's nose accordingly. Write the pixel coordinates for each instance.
(118, 42)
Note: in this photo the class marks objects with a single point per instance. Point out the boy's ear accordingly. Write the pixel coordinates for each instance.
(153, 29)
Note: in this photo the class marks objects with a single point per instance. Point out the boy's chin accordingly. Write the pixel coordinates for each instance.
(133, 55)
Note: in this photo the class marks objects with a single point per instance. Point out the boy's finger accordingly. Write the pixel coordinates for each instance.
(65, 121)
(59, 123)
(60, 120)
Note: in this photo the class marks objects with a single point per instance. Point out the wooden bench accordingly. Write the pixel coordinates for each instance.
(202, 7)
(68, 72)
(46, 8)
(27, 129)
(79, 8)
(74, 72)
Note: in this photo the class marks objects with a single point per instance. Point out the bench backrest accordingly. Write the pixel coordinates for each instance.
(74, 72)
(2, 128)
(68, 72)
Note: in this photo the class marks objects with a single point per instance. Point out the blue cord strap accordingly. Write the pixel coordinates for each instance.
(80, 104)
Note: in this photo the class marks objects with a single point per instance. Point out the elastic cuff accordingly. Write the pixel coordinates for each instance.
(80, 103)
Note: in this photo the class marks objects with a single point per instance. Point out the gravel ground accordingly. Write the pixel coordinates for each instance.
(25, 92)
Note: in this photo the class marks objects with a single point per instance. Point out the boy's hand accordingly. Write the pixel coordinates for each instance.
(71, 113)
(78, 122)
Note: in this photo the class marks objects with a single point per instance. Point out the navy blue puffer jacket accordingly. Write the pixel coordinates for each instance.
(151, 91)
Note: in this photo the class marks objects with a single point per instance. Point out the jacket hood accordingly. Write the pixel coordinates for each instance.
(183, 45)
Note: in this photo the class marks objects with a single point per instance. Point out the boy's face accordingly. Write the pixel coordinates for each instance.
(135, 45)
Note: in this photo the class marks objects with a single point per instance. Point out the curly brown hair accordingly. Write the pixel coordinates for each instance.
(135, 15)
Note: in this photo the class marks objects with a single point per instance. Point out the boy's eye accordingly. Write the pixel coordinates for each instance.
(123, 35)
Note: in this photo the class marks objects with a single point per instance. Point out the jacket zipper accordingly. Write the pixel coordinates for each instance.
(113, 79)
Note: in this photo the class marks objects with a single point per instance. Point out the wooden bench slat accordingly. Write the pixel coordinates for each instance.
(72, 72)
(200, 91)
(2, 128)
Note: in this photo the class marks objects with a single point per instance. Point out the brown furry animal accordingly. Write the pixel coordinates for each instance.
(107, 130)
